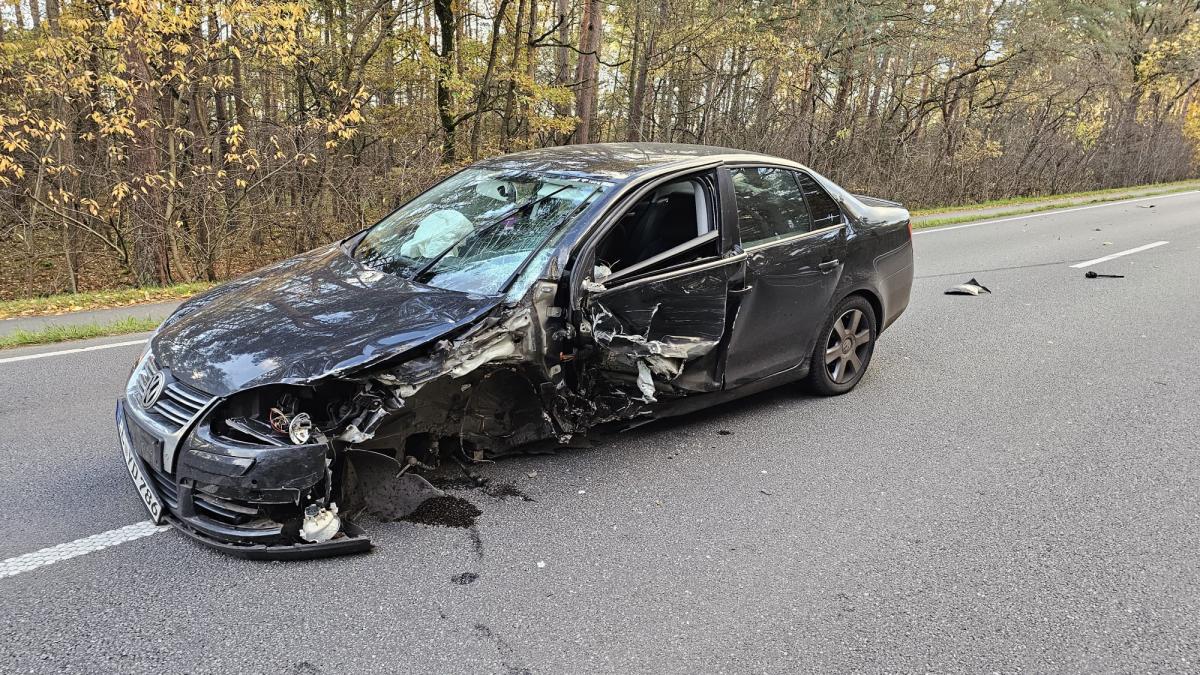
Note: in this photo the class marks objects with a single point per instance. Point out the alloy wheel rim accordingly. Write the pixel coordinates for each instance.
(846, 346)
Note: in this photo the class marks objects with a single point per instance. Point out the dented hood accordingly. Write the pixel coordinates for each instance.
(316, 314)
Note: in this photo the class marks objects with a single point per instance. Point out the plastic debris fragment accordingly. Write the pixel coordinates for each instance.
(972, 287)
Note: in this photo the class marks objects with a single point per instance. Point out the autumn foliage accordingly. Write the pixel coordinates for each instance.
(152, 141)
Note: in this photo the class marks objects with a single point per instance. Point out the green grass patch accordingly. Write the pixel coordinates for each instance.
(121, 297)
(1111, 194)
(921, 219)
(23, 338)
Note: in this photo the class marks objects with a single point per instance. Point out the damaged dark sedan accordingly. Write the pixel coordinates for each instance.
(522, 301)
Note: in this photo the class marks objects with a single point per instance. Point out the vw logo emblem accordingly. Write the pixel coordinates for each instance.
(153, 390)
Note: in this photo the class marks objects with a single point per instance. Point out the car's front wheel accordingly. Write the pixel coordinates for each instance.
(844, 348)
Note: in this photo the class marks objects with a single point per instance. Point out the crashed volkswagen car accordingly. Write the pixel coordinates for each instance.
(524, 300)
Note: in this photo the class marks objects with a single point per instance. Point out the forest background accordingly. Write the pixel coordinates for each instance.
(152, 142)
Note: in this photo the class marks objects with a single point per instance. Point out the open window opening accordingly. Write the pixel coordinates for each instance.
(673, 225)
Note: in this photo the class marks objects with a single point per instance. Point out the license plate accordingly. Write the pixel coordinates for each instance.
(153, 505)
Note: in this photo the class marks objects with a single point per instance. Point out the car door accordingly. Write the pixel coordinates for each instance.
(656, 297)
(793, 235)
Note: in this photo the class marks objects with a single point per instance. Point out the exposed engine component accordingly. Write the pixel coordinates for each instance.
(300, 429)
(320, 524)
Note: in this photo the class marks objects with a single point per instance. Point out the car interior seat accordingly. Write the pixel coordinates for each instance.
(668, 221)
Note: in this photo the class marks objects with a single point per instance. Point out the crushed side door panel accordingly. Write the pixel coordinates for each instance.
(660, 334)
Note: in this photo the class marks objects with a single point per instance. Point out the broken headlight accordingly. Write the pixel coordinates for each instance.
(278, 415)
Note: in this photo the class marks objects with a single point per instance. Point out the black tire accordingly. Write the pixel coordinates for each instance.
(841, 355)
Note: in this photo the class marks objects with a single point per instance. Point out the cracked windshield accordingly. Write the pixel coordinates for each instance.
(474, 231)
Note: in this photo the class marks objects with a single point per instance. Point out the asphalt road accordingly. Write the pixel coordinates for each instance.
(1015, 486)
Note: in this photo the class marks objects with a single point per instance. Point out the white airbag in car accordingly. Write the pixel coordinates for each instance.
(435, 233)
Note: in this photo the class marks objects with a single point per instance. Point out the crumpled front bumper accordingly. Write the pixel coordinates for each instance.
(204, 515)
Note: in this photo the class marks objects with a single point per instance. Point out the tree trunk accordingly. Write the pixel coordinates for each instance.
(507, 128)
(587, 69)
(449, 30)
(483, 96)
(562, 61)
(150, 260)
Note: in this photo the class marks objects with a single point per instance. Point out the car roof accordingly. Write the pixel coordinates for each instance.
(615, 161)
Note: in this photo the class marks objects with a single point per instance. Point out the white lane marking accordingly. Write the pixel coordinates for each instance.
(73, 549)
(1118, 254)
(77, 350)
(1041, 214)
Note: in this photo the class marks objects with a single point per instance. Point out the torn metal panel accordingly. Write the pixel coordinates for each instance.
(499, 340)
(664, 324)
(379, 485)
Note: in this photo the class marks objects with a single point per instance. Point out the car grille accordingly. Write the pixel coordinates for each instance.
(221, 510)
(178, 404)
(166, 486)
(224, 510)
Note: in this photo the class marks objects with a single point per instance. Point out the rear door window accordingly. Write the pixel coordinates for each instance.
(825, 211)
(770, 204)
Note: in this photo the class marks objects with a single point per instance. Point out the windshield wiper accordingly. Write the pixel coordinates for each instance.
(389, 264)
(416, 276)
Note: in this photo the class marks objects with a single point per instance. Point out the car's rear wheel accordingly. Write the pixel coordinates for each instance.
(843, 350)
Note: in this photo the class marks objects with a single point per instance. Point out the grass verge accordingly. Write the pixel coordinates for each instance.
(922, 220)
(75, 302)
(24, 338)
(1115, 193)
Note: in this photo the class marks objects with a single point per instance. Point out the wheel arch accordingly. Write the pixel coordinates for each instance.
(867, 294)
(874, 300)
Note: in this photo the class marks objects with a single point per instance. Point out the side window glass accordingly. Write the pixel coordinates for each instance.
(825, 210)
(669, 226)
(769, 204)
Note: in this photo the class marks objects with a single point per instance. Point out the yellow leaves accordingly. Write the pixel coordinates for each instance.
(14, 144)
(1090, 126)
(1191, 130)
(344, 127)
(235, 136)
(1172, 57)
(10, 167)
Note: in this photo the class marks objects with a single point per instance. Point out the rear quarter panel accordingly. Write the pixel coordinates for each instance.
(880, 260)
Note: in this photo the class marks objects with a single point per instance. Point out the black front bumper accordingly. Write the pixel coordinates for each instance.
(209, 517)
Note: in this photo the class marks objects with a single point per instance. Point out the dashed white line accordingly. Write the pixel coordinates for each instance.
(73, 549)
(1042, 214)
(77, 350)
(1097, 261)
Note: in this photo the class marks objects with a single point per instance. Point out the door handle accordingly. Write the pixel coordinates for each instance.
(829, 265)
(739, 291)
